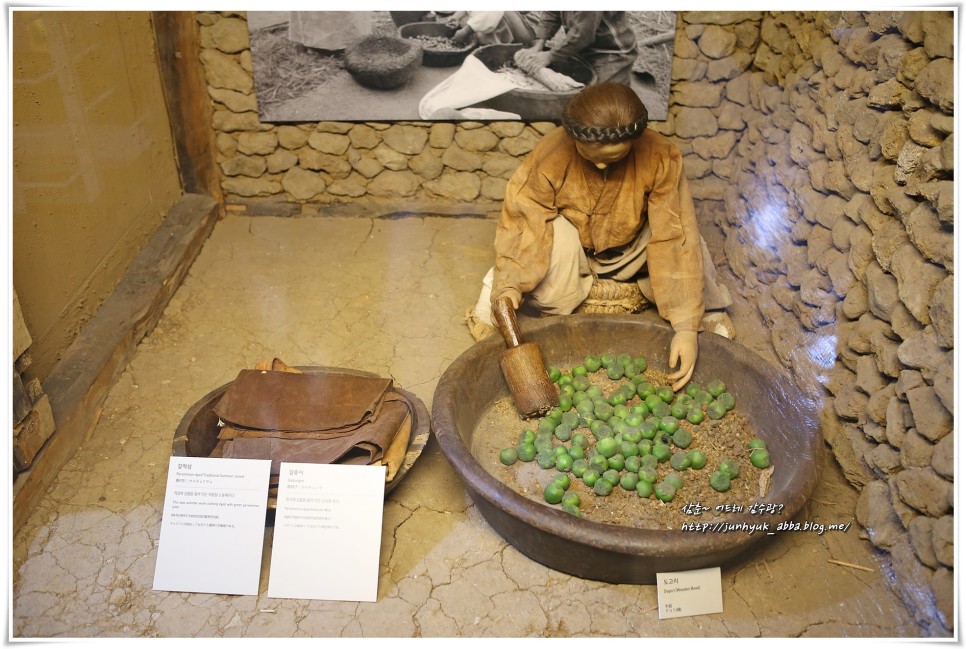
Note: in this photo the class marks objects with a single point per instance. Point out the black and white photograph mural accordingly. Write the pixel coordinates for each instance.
(459, 65)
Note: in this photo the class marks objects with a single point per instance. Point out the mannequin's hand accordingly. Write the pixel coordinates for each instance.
(536, 62)
(684, 348)
(463, 35)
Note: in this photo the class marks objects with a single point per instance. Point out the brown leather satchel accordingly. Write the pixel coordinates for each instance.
(325, 416)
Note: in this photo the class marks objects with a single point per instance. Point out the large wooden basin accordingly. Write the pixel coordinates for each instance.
(532, 104)
(779, 412)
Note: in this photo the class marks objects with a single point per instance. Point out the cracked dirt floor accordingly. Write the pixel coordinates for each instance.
(385, 296)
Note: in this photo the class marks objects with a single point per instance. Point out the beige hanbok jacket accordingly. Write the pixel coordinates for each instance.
(609, 210)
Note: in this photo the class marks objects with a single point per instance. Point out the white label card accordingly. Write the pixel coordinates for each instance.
(213, 526)
(691, 592)
(328, 532)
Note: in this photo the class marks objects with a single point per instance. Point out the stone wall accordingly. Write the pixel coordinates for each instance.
(838, 218)
(307, 165)
(819, 142)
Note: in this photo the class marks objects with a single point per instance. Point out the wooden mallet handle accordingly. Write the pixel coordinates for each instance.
(506, 322)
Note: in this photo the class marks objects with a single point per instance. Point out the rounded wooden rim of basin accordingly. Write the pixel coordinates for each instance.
(623, 540)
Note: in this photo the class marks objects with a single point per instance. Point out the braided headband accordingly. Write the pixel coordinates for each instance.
(604, 134)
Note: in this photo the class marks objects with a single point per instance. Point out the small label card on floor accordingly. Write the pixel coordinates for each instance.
(328, 531)
(213, 526)
(691, 592)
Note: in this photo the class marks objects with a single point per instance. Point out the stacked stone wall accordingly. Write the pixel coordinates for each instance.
(323, 163)
(838, 218)
(821, 143)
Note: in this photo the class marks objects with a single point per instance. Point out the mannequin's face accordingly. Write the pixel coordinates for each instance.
(603, 155)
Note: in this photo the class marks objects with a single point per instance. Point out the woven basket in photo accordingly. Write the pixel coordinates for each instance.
(610, 296)
(383, 62)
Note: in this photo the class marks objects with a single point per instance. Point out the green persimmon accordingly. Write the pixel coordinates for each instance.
(629, 481)
(720, 481)
(564, 462)
(730, 467)
(571, 498)
(661, 410)
(573, 510)
(716, 387)
(562, 479)
(679, 410)
(682, 438)
(698, 459)
(563, 432)
(546, 425)
(546, 458)
(662, 452)
(680, 461)
(760, 458)
(616, 462)
(664, 491)
(644, 390)
(669, 424)
(565, 401)
(644, 488)
(607, 446)
(603, 487)
(613, 476)
(581, 382)
(628, 449)
(598, 463)
(695, 415)
(632, 434)
(716, 410)
(553, 493)
(633, 463)
(526, 452)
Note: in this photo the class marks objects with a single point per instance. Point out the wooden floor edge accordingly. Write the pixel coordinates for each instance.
(82, 380)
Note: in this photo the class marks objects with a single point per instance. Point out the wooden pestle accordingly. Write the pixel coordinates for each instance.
(523, 365)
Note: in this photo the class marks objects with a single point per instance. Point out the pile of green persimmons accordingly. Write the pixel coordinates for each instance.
(623, 438)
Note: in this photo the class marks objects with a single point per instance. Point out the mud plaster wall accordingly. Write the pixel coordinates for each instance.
(820, 143)
(93, 162)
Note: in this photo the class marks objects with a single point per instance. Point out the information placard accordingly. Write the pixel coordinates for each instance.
(213, 526)
(690, 592)
(328, 531)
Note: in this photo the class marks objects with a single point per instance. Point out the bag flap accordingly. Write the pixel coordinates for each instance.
(311, 401)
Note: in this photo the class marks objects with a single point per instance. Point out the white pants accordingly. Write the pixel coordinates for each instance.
(571, 274)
